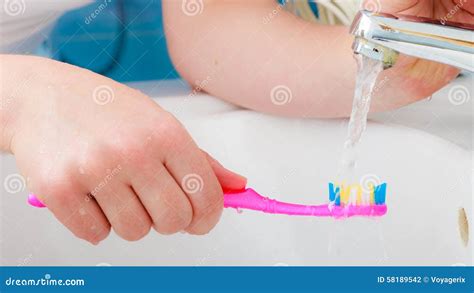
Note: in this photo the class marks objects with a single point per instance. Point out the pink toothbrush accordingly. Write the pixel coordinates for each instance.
(342, 203)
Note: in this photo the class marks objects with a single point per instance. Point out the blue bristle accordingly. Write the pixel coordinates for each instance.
(334, 194)
(380, 192)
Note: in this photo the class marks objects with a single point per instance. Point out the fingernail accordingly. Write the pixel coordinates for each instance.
(242, 178)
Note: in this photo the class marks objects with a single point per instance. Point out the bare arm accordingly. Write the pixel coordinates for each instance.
(99, 154)
(245, 49)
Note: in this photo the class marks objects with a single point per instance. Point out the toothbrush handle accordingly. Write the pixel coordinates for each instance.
(34, 201)
(251, 200)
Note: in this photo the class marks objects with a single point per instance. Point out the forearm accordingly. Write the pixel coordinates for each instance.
(240, 51)
(245, 52)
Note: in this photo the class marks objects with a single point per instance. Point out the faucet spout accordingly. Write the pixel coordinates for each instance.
(384, 36)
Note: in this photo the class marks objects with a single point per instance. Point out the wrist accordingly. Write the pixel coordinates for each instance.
(18, 76)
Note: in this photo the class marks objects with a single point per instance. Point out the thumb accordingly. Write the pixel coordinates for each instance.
(230, 181)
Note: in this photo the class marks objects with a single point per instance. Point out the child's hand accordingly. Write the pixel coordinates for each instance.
(445, 10)
(418, 77)
(100, 154)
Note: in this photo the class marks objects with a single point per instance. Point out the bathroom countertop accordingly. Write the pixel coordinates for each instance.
(422, 151)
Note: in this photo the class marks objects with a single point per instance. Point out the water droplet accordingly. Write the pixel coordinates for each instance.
(429, 98)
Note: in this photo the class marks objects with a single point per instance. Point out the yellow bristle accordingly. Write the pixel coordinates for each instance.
(345, 192)
(359, 195)
(372, 194)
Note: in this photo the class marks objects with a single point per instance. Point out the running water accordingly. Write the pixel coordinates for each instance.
(368, 70)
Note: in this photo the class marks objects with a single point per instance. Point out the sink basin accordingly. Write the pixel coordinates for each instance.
(423, 153)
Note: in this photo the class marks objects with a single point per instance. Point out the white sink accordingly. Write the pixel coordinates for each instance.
(423, 152)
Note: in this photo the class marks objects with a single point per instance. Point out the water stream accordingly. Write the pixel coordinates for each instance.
(367, 72)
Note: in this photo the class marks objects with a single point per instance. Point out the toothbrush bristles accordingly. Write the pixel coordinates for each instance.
(343, 195)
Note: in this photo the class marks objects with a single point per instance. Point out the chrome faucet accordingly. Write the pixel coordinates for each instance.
(385, 36)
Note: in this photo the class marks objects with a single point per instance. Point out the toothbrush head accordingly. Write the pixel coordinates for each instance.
(345, 195)
(350, 200)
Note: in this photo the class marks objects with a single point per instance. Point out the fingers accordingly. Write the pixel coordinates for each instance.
(167, 205)
(167, 183)
(191, 170)
(390, 6)
(69, 203)
(124, 211)
(200, 184)
(466, 5)
(229, 181)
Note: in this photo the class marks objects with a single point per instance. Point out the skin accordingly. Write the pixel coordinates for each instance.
(244, 55)
(133, 156)
(129, 153)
